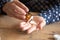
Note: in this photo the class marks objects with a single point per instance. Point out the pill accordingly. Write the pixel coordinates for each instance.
(33, 22)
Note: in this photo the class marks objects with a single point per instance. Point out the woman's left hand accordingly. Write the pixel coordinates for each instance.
(37, 23)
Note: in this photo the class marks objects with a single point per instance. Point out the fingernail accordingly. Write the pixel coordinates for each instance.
(24, 13)
(27, 10)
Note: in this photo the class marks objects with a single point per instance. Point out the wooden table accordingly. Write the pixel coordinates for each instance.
(8, 30)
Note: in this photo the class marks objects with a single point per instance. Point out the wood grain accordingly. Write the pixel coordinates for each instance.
(9, 26)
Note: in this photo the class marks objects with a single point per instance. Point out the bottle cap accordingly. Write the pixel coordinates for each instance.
(28, 17)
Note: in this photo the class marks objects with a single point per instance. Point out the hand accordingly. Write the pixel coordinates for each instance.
(16, 9)
(37, 23)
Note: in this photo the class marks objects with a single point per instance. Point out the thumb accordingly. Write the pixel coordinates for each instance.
(41, 24)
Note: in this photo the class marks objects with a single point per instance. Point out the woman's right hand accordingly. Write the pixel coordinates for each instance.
(15, 9)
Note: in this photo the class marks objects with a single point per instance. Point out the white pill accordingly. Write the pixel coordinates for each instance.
(30, 19)
(33, 22)
(57, 37)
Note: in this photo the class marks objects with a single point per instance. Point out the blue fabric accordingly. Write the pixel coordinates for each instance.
(51, 15)
(49, 9)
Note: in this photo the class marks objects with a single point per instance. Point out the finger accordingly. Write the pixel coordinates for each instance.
(11, 13)
(18, 16)
(27, 26)
(17, 9)
(33, 28)
(33, 22)
(41, 24)
(22, 24)
(8, 9)
(22, 6)
(15, 14)
(22, 17)
(37, 19)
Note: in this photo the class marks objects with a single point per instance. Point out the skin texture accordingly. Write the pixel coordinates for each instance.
(18, 10)
(30, 27)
